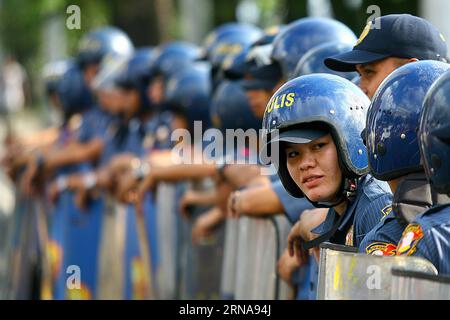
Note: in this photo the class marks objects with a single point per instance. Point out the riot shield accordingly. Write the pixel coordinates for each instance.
(345, 274)
(414, 285)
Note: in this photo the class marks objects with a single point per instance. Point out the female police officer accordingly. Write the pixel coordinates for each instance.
(316, 121)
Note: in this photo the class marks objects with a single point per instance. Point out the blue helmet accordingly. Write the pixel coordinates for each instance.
(73, 92)
(101, 42)
(188, 93)
(134, 74)
(136, 68)
(110, 69)
(172, 57)
(269, 35)
(230, 108)
(312, 61)
(319, 100)
(393, 119)
(53, 72)
(235, 66)
(434, 134)
(225, 32)
(357, 80)
(304, 34)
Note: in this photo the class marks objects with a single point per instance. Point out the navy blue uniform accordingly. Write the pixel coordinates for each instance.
(383, 239)
(158, 130)
(95, 122)
(362, 214)
(429, 237)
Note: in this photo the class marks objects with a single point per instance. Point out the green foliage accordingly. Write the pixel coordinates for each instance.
(356, 19)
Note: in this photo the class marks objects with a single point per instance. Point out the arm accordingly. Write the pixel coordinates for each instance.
(206, 223)
(196, 198)
(256, 201)
(301, 232)
(74, 153)
(239, 175)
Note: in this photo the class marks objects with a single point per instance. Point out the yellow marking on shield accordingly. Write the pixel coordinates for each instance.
(337, 281)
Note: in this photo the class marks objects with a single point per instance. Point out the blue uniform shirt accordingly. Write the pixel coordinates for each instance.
(429, 237)
(383, 239)
(361, 215)
(293, 207)
(158, 131)
(95, 122)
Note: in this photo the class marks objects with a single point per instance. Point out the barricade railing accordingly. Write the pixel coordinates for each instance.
(261, 242)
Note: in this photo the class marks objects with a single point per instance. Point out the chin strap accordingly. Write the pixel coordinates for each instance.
(347, 192)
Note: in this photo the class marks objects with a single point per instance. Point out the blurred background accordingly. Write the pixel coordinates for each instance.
(33, 33)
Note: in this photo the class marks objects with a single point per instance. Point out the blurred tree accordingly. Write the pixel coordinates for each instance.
(354, 12)
(23, 23)
(295, 9)
(138, 18)
(224, 11)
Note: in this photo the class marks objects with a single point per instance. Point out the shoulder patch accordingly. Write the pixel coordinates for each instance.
(410, 237)
(386, 210)
(349, 237)
(381, 249)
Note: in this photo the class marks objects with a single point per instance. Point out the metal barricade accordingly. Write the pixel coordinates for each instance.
(345, 274)
(7, 204)
(200, 264)
(227, 283)
(24, 253)
(261, 242)
(413, 285)
(207, 257)
(166, 220)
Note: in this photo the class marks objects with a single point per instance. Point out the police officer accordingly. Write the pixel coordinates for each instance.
(88, 143)
(387, 43)
(377, 53)
(316, 159)
(392, 122)
(300, 36)
(427, 236)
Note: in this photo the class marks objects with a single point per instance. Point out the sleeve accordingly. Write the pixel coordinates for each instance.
(429, 249)
(374, 211)
(383, 238)
(85, 132)
(293, 207)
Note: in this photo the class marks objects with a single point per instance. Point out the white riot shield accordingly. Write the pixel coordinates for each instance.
(413, 285)
(259, 248)
(345, 274)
